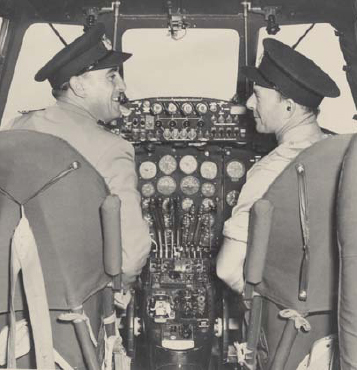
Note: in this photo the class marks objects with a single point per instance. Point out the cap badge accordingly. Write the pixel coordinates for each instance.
(107, 43)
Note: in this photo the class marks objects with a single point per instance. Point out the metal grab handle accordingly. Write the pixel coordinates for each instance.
(304, 219)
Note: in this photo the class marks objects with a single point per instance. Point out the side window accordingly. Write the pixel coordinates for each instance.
(40, 44)
(322, 46)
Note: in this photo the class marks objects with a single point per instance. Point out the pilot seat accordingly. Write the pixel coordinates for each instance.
(292, 265)
(58, 224)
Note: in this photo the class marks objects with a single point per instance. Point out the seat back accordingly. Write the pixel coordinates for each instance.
(65, 220)
(280, 278)
(347, 239)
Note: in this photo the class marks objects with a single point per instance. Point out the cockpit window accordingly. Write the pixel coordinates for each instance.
(203, 63)
(40, 44)
(322, 46)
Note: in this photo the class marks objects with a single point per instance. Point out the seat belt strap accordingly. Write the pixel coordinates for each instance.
(24, 256)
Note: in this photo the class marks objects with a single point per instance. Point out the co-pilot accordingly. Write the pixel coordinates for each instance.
(287, 93)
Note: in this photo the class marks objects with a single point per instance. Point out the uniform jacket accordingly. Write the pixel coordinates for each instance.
(113, 157)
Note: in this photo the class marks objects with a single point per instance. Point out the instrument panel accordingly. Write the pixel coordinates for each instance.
(160, 120)
(192, 157)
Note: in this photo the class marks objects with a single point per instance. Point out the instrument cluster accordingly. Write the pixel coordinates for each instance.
(183, 119)
(188, 192)
(192, 157)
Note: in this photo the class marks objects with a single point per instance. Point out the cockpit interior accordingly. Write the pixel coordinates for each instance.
(195, 140)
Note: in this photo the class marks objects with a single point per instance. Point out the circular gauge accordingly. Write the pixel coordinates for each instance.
(146, 104)
(188, 164)
(213, 107)
(208, 189)
(235, 170)
(201, 108)
(147, 170)
(167, 164)
(166, 185)
(171, 108)
(209, 170)
(190, 185)
(187, 108)
(208, 204)
(232, 197)
(156, 108)
(186, 204)
(148, 190)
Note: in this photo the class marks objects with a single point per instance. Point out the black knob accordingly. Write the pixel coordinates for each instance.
(135, 122)
(186, 123)
(172, 123)
(200, 123)
(186, 331)
(158, 123)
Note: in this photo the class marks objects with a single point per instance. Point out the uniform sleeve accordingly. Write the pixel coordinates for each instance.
(118, 169)
(231, 257)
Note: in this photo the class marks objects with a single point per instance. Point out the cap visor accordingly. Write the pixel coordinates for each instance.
(113, 60)
(253, 74)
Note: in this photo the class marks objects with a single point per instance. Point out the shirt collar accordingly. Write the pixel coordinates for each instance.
(66, 104)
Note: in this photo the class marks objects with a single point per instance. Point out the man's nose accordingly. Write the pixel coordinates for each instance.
(251, 102)
(121, 85)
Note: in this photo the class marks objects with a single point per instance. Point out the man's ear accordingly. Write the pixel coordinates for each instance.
(77, 86)
(290, 106)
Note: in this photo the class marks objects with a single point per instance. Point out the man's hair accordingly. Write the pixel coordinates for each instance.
(315, 111)
(61, 90)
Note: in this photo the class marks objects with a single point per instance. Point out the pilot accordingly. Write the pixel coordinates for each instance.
(287, 93)
(87, 86)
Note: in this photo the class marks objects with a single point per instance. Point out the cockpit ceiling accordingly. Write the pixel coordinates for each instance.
(69, 10)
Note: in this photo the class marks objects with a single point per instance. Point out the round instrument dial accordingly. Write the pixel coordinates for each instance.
(208, 189)
(186, 204)
(167, 164)
(208, 204)
(166, 185)
(201, 108)
(187, 108)
(188, 164)
(232, 197)
(156, 108)
(148, 190)
(147, 170)
(235, 170)
(171, 108)
(209, 170)
(190, 185)
(213, 107)
(146, 104)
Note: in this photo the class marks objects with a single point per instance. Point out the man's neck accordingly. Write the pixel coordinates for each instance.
(298, 127)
